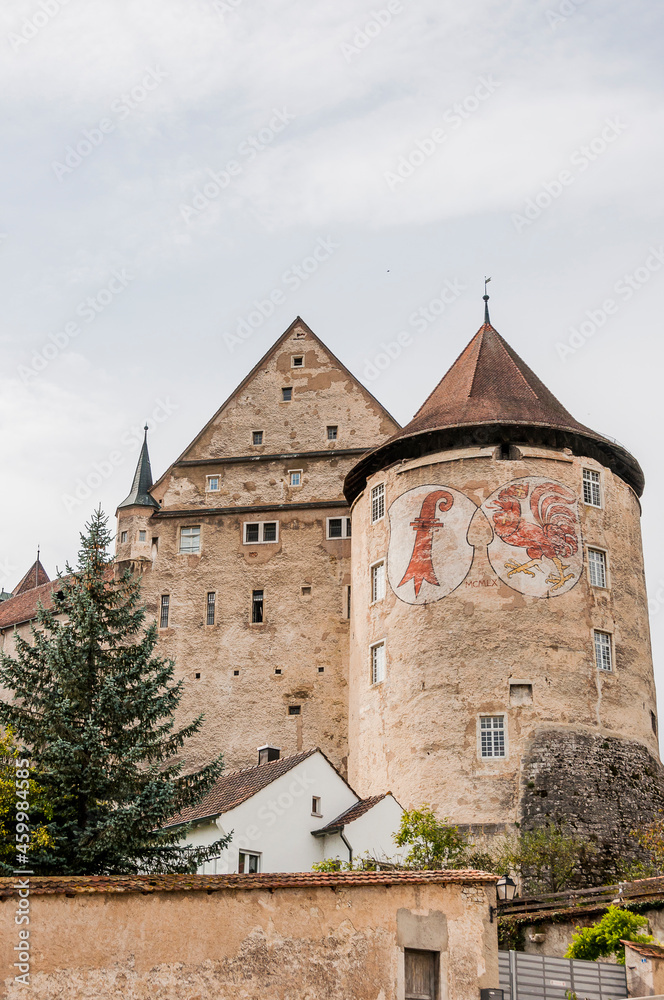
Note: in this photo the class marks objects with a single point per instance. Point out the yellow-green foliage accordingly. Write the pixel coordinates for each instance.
(603, 938)
(35, 800)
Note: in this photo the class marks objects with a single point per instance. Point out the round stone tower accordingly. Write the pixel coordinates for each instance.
(500, 657)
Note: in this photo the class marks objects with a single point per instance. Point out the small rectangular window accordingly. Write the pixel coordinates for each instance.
(492, 736)
(190, 540)
(378, 663)
(211, 602)
(332, 432)
(377, 503)
(257, 437)
(294, 709)
(297, 361)
(315, 806)
(142, 535)
(257, 606)
(295, 477)
(287, 394)
(163, 617)
(248, 863)
(258, 532)
(338, 527)
(591, 488)
(603, 650)
(212, 484)
(123, 536)
(597, 567)
(377, 582)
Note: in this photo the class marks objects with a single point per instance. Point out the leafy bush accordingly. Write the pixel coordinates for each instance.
(603, 938)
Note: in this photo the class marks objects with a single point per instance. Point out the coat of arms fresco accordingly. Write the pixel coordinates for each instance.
(536, 547)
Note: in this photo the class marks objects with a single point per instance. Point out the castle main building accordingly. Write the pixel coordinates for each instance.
(455, 610)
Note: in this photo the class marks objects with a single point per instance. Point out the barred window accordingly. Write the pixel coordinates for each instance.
(257, 606)
(597, 567)
(591, 488)
(377, 503)
(211, 603)
(378, 663)
(378, 582)
(603, 650)
(163, 617)
(190, 540)
(492, 736)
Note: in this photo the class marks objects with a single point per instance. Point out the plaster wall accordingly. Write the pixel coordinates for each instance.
(452, 660)
(312, 943)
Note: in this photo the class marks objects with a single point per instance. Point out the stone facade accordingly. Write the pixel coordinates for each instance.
(250, 937)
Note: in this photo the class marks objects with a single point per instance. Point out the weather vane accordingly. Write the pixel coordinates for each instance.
(486, 300)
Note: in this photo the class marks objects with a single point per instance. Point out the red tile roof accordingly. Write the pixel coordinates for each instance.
(23, 607)
(77, 885)
(35, 577)
(646, 950)
(233, 789)
(352, 813)
(490, 385)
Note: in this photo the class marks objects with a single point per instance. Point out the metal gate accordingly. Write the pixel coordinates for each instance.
(538, 977)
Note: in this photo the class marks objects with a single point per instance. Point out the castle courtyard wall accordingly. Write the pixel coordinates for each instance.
(281, 937)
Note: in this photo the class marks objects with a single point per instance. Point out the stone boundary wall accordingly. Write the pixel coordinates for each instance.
(302, 936)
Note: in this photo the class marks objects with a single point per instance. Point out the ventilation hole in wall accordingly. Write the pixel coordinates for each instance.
(321, 670)
(277, 670)
(521, 694)
(236, 673)
(197, 676)
(294, 709)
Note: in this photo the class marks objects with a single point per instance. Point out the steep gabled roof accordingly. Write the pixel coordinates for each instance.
(349, 815)
(139, 495)
(233, 789)
(35, 577)
(490, 396)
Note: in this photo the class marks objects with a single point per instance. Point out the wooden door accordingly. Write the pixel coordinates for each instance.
(421, 974)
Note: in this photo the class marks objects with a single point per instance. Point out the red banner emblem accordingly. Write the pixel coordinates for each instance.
(420, 567)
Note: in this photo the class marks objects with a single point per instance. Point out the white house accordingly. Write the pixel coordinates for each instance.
(287, 813)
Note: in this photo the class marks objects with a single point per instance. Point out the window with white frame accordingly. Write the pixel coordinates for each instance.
(378, 662)
(338, 527)
(492, 736)
(190, 540)
(603, 650)
(297, 361)
(377, 582)
(248, 863)
(258, 532)
(592, 494)
(295, 477)
(377, 503)
(597, 567)
(212, 484)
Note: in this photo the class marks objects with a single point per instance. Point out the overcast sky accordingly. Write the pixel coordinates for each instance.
(170, 164)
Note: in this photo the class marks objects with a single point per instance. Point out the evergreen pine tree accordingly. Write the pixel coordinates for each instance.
(95, 708)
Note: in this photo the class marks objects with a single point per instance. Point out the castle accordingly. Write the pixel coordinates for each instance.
(454, 610)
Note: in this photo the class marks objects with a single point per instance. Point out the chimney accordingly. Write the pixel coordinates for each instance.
(267, 754)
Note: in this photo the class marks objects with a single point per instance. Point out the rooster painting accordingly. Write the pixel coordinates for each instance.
(550, 532)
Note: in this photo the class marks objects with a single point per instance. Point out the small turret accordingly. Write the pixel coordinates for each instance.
(134, 535)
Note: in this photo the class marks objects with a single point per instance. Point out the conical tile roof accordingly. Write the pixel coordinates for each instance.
(491, 396)
(140, 487)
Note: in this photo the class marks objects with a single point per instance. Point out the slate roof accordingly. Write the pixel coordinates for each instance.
(35, 577)
(233, 789)
(352, 813)
(490, 387)
(139, 495)
(69, 885)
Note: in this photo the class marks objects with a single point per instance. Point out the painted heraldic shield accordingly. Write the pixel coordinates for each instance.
(537, 547)
(429, 554)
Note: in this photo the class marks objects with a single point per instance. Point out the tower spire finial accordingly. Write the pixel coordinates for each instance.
(486, 301)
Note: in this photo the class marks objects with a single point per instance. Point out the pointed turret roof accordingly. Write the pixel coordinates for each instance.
(491, 396)
(140, 488)
(35, 577)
